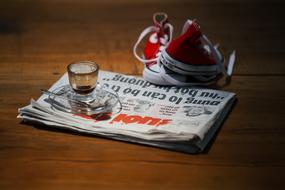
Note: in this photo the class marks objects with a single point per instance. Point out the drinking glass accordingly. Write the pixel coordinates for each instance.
(83, 94)
(83, 79)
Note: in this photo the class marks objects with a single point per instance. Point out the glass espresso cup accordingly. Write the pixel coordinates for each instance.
(83, 78)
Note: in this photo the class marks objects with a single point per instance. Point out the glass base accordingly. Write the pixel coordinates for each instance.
(101, 100)
(87, 98)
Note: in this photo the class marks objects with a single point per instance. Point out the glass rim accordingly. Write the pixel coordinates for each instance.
(77, 62)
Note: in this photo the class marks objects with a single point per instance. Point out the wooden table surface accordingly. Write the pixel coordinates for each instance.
(38, 38)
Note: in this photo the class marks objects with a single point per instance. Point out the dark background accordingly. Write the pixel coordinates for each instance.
(39, 38)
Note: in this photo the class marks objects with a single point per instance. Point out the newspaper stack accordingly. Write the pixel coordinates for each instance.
(177, 118)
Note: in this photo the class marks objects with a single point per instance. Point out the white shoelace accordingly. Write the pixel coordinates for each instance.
(231, 61)
(164, 41)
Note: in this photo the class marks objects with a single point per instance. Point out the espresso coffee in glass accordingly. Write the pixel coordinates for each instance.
(83, 77)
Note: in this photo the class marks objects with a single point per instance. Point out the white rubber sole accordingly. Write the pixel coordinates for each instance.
(187, 69)
(163, 76)
(182, 80)
(154, 77)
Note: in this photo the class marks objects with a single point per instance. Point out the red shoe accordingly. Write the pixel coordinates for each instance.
(160, 34)
(188, 60)
(194, 55)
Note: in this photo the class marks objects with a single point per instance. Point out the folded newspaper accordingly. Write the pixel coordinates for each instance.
(177, 118)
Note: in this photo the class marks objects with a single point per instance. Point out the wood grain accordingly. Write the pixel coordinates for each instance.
(39, 38)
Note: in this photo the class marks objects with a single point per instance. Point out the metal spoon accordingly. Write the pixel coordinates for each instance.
(78, 106)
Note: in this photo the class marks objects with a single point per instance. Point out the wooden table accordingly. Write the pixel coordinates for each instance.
(39, 38)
